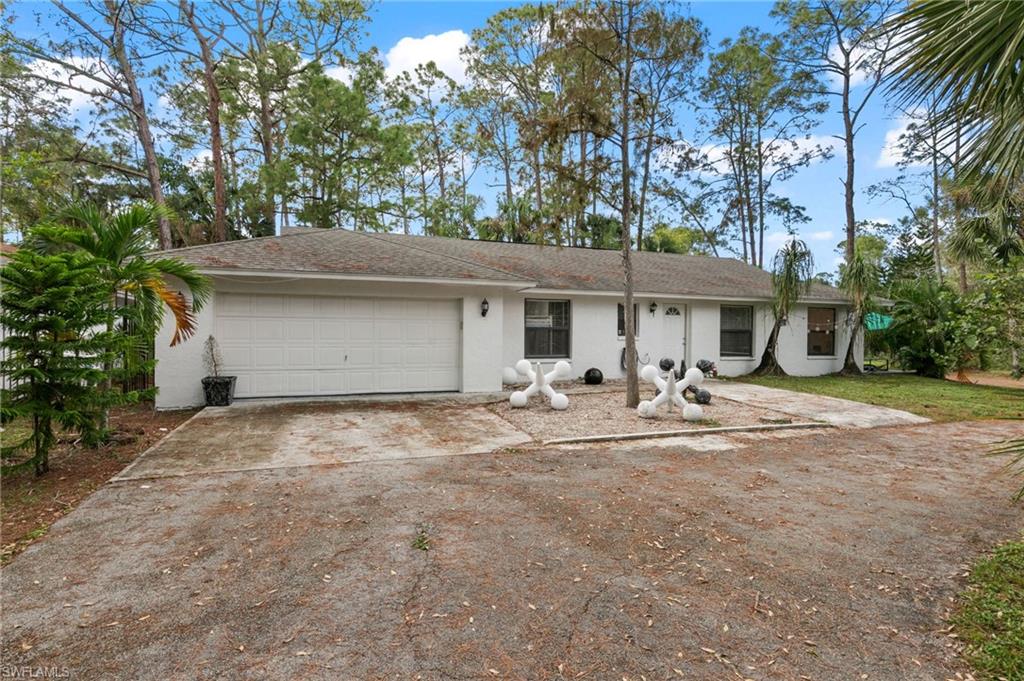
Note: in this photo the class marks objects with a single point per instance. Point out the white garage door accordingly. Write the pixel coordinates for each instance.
(282, 345)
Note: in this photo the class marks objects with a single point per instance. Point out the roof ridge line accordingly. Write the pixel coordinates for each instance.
(304, 232)
(377, 237)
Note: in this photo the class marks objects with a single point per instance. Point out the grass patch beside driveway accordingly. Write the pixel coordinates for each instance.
(930, 397)
(991, 620)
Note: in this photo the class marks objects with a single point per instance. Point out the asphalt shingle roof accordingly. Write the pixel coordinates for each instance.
(552, 267)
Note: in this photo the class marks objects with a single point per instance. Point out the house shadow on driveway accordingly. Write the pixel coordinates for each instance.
(272, 435)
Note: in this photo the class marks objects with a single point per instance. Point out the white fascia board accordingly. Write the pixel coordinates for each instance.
(677, 296)
(278, 275)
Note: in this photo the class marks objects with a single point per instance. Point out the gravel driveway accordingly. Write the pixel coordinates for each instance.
(829, 556)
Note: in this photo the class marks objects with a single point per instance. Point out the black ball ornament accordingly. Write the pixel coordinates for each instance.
(593, 376)
(667, 363)
(702, 396)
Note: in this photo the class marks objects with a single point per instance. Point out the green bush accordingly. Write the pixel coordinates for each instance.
(59, 336)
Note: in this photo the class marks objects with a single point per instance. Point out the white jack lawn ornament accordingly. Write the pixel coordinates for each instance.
(541, 383)
(671, 392)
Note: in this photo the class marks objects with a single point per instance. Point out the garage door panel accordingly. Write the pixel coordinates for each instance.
(386, 330)
(281, 345)
(416, 356)
(360, 357)
(331, 307)
(301, 306)
(301, 357)
(270, 306)
(230, 329)
(332, 330)
(268, 329)
(360, 330)
(301, 330)
(332, 382)
(362, 382)
(301, 383)
(330, 357)
(269, 383)
(390, 307)
(236, 357)
(360, 307)
(268, 357)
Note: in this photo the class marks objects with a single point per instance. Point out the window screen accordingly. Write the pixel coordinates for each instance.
(737, 331)
(821, 331)
(547, 328)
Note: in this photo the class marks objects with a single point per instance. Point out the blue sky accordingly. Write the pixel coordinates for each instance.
(407, 33)
(817, 188)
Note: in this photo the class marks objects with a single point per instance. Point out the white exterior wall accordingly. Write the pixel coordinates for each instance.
(497, 340)
(594, 341)
(180, 369)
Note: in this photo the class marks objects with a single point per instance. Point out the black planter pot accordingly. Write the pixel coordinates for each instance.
(219, 390)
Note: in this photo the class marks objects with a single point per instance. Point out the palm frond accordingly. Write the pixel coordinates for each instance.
(184, 318)
(1015, 466)
(967, 54)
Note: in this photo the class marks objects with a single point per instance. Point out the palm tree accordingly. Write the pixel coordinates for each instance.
(996, 233)
(792, 270)
(858, 280)
(121, 245)
(968, 54)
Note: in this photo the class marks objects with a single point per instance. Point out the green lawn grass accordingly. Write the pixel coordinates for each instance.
(990, 620)
(934, 398)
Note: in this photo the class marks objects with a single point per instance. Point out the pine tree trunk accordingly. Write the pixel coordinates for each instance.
(138, 111)
(848, 192)
(626, 234)
(213, 104)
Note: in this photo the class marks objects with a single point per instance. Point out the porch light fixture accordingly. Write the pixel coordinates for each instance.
(484, 307)
(653, 308)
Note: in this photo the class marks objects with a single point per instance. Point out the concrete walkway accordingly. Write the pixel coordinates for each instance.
(832, 410)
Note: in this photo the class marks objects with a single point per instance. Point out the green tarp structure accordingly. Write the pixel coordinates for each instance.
(875, 321)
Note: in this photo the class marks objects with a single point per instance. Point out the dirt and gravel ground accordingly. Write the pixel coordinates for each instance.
(605, 413)
(830, 556)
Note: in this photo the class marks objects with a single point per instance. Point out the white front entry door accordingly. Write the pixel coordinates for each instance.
(675, 333)
(285, 345)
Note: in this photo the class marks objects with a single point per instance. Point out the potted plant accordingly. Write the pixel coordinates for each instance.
(218, 390)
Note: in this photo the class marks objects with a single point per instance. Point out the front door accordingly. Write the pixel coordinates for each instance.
(675, 333)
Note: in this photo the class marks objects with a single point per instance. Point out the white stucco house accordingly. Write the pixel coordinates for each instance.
(330, 312)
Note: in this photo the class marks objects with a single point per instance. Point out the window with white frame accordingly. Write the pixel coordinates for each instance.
(736, 332)
(548, 328)
(821, 331)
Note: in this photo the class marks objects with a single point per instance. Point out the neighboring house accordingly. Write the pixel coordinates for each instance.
(331, 312)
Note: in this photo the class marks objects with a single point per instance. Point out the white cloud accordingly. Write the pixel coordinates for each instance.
(75, 100)
(774, 240)
(823, 235)
(201, 159)
(341, 73)
(861, 59)
(891, 154)
(443, 49)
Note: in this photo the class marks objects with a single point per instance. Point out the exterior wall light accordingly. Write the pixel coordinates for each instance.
(484, 307)
(653, 308)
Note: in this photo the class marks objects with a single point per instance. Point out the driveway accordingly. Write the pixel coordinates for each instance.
(832, 555)
(267, 435)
